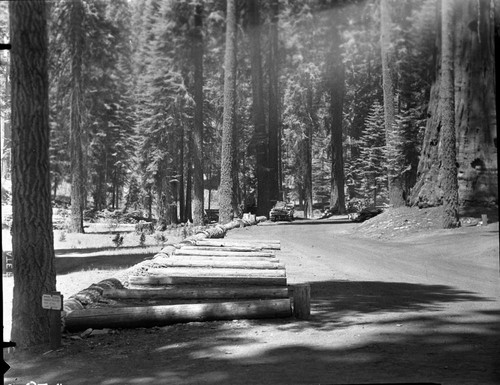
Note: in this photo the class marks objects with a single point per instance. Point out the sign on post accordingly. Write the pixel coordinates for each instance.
(53, 302)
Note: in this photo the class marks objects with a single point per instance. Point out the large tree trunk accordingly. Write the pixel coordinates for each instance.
(336, 86)
(188, 212)
(274, 108)
(198, 190)
(396, 195)
(475, 115)
(226, 179)
(259, 119)
(307, 157)
(448, 141)
(181, 176)
(32, 236)
(77, 44)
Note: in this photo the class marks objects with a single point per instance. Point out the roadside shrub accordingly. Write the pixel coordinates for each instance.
(160, 238)
(142, 239)
(144, 227)
(62, 236)
(118, 240)
(111, 219)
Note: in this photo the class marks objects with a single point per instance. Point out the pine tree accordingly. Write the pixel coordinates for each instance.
(32, 237)
(372, 163)
(226, 180)
(198, 187)
(260, 139)
(396, 195)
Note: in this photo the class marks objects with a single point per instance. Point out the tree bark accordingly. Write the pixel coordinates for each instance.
(475, 115)
(337, 90)
(259, 118)
(198, 189)
(275, 193)
(77, 44)
(226, 180)
(396, 194)
(188, 216)
(447, 100)
(306, 145)
(32, 236)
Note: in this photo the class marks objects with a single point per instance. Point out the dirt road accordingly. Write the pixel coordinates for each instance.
(424, 309)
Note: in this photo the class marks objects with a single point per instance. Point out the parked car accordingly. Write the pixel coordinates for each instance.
(282, 211)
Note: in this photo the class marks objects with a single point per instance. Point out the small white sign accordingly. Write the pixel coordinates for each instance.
(52, 302)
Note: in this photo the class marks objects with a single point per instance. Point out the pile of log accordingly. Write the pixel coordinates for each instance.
(199, 280)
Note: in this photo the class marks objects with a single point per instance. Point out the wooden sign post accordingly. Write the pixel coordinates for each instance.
(302, 301)
(53, 302)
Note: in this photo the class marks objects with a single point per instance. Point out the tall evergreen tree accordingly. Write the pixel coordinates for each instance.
(396, 195)
(447, 100)
(76, 45)
(260, 139)
(32, 237)
(372, 162)
(274, 164)
(336, 90)
(198, 187)
(226, 180)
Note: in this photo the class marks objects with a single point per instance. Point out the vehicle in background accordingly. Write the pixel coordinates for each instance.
(282, 211)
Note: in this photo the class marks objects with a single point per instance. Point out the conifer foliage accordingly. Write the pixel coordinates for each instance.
(137, 104)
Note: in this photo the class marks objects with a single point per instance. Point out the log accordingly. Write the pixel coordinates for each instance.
(270, 245)
(223, 248)
(234, 281)
(302, 301)
(212, 258)
(222, 263)
(197, 292)
(222, 253)
(216, 272)
(161, 315)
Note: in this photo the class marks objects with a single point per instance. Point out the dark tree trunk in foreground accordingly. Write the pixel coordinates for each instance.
(260, 137)
(447, 100)
(396, 195)
(198, 190)
(337, 90)
(475, 115)
(77, 44)
(32, 236)
(226, 179)
(275, 192)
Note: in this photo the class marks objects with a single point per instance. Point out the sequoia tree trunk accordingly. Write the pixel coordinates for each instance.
(32, 236)
(198, 190)
(337, 90)
(273, 113)
(226, 178)
(448, 141)
(396, 195)
(475, 115)
(77, 45)
(258, 112)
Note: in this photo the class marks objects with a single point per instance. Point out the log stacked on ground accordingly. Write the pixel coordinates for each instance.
(251, 282)
(161, 315)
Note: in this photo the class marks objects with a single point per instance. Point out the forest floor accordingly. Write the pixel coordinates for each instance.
(394, 299)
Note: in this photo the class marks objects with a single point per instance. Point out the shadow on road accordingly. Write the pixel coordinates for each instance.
(332, 300)
(101, 261)
(404, 339)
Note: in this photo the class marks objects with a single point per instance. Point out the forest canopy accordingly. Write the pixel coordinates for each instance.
(137, 104)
